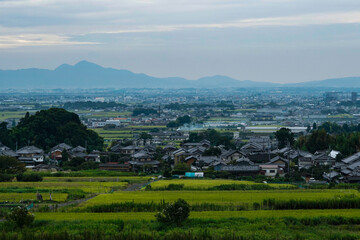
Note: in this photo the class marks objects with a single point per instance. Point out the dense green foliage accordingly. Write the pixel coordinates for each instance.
(343, 202)
(174, 213)
(144, 111)
(10, 165)
(346, 143)
(213, 136)
(92, 105)
(33, 177)
(180, 121)
(285, 137)
(20, 216)
(48, 128)
(212, 151)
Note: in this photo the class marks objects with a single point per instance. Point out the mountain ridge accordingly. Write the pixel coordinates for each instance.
(86, 74)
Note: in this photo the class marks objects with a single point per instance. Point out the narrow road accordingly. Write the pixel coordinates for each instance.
(60, 205)
(136, 186)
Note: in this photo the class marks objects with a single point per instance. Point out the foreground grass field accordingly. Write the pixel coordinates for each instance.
(200, 215)
(203, 184)
(218, 197)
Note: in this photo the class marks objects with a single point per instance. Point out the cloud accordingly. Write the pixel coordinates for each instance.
(299, 20)
(12, 41)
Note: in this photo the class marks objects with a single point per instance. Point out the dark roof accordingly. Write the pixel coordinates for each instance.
(30, 150)
(236, 168)
(78, 149)
(144, 163)
(8, 153)
(277, 158)
(61, 147)
(231, 152)
(352, 158)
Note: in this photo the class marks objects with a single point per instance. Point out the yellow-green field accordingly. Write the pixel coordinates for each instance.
(208, 183)
(97, 179)
(16, 197)
(200, 215)
(15, 115)
(89, 187)
(218, 197)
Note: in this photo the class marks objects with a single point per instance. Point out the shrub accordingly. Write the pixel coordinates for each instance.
(174, 213)
(175, 187)
(20, 216)
(148, 187)
(5, 178)
(33, 177)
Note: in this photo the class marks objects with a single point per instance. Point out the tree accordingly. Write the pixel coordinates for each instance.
(174, 213)
(20, 216)
(212, 151)
(47, 128)
(10, 165)
(145, 135)
(285, 137)
(64, 155)
(314, 126)
(181, 167)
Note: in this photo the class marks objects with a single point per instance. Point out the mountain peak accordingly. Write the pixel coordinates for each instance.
(85, 63)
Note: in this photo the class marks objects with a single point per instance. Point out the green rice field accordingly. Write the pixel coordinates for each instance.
(88, 187)
(201, 184)
(217, 197)
(17, 197)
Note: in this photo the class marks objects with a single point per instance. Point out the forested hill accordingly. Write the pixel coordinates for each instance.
(47, 128)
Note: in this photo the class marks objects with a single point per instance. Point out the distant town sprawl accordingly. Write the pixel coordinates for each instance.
(289, 135)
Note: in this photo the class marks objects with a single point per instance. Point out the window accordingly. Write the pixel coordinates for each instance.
(272, 171)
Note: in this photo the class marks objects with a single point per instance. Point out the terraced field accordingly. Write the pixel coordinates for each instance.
(88, 187)
(97, 179)
(203, 184)
(218, 197)
(17, 197)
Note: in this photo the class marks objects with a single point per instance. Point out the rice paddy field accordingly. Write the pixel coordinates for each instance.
(216, 197)
(203, 184)
(201, 215)
(88, 187)
(17, 197)
(127, 132)
(97, 179)
(79, 221)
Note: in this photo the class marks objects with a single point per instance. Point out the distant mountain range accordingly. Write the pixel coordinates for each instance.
(89, 75)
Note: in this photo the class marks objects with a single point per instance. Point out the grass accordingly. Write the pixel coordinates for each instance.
(88, 187)
(16, 197)
(217, 197)
(59, 216)
(203, 184)
(97, 179)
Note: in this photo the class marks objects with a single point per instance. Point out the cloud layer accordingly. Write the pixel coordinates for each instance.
(188, 38)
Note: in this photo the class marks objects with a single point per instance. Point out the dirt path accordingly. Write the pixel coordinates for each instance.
(136, 186)
(60, 205)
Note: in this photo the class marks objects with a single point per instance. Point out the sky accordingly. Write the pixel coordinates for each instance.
(281, 41)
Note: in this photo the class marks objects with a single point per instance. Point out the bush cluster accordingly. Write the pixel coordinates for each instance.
(33, 177)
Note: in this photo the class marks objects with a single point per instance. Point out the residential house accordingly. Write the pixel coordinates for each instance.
(31, 156)
(56, 152)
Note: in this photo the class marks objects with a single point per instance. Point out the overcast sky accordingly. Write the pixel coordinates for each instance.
(260, 40)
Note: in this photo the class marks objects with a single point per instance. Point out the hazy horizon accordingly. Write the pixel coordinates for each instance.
(279, 41)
